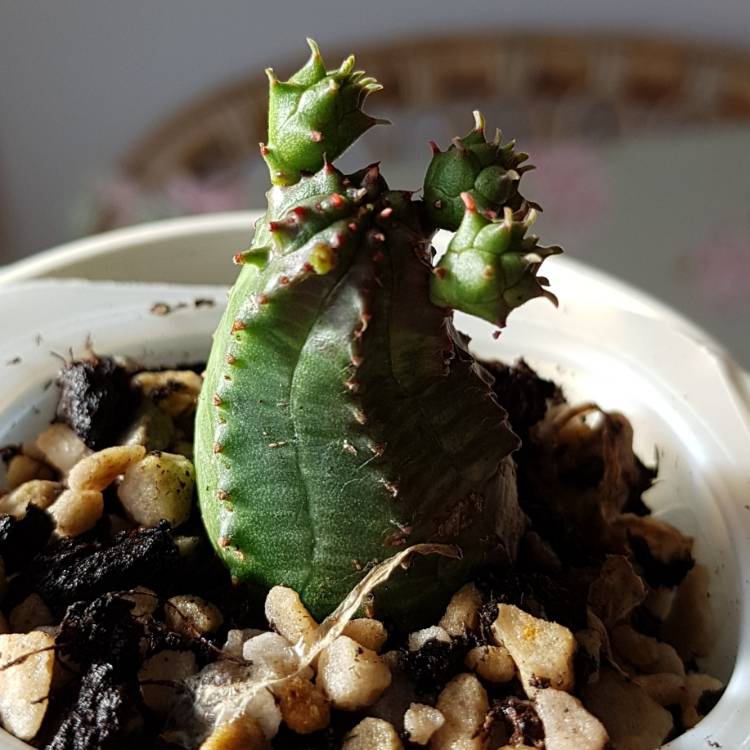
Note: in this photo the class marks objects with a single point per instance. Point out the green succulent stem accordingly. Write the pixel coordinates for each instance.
(342, 417)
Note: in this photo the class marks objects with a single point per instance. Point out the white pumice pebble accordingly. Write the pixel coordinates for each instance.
(235, 641)
(351, 675)
(100, 469)
(77, 511)
(418, 638)
(191, 615)
(567, 724)
(145, 601)
(158, 487)
(689, 627)
(61, 447)
(462, 613)
(464, 705)
(646, 654)
(491, 663)
(368, 632)
(288, 616)
(372, 734)
(31, 614)
(421, 722)
(271, 654)
(24, 687)
(38, 492)
(160, 677)
(631, 717)
(224, 690)
(304, 707)
(175, 391)
(22, 469)
(543, 651)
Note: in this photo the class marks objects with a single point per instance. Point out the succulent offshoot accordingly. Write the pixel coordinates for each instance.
(490, 171)
(490, 266)
(317, 113)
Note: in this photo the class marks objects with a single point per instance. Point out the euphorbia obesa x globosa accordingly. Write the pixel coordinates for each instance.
(342, 417)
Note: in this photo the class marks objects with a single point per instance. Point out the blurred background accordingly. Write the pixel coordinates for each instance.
(636, 114)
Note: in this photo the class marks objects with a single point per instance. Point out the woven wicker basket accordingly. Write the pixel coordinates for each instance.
(552, 86)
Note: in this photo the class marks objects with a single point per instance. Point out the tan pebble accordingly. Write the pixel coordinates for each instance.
(160, 676)
(372, 734)
(288, 616)
(38, 492)
(543, 651)
(29, 448)
(175, 391)
(77, 511)
(491, 663)
(191, 615)
(631, 717)
(158, 487)
(368, 632)
(351, 675)
(61, 447)
(241, 734)
(567, 724)
(22, 469)
(30, 614)
(421, 722)
(24, 687)
(100, 469)
(462, 613)
(464, 704)
(304, 706)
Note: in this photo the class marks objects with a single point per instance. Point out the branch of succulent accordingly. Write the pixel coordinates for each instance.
(490, 266)
(342, 417)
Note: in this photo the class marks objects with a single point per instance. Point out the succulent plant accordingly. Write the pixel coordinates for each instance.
(342, 417)
(489, 171)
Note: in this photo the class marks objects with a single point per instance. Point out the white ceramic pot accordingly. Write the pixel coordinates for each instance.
(606, 342)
